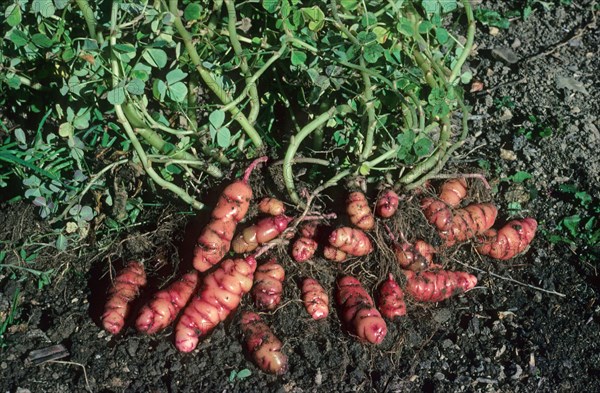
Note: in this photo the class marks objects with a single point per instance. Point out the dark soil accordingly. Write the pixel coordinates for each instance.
(531, 324)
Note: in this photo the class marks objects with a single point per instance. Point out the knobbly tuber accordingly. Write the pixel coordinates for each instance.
(510, 240)
(415, 257)
(268, 285)
(453, 191)
(315, 299)
(215, 239)
(271, 206)
(334, 254)
(263, 231)
(359, 211)
(387, 204)
(358, 312)
(391, 299)
(262, 344)
(165, 305)
(435, 286)
(469, 222)
(220, 294)
(125, 288)
(303, 249)
(351, 241)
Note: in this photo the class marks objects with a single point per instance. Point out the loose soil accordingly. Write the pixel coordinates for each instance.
(531, 324)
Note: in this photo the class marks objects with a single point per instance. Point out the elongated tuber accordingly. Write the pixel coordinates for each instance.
(436, 286)
(453, 191)
(391, 299)
(351, 241)
(387, 204)
(303, 249)
(358, 311)
(359, 211)
(268, 285)
(271, 206)
(315, 299)
(263, 345)
(221, 293)
(215, 239)
(263, 231)
(125, 288)
(165, 305)
(510, 240)
(334, 254)
(470, 222)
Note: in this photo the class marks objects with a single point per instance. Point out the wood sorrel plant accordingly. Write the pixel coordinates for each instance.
(360, 88)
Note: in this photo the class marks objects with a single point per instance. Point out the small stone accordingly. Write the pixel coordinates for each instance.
(506, 115)
(494, 31)
(507, 55)
(516, 43)
(508, 155)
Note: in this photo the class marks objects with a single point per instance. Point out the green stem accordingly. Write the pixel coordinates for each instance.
(212, 84)
(237, 48)
(88, 16)
(388, 154)
(122, 118)
(295, 141)
(457, 69)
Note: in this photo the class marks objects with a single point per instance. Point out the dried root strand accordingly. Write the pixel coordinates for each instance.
(165, 305)
(358, 312)
(391, 299)
(510, 240)
(268, 285)
(359, 211)
(315, 299)
(220, 294)
(436, 286)
(125, 288)
(263, 345)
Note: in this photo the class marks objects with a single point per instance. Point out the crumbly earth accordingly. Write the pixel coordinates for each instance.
(531, 324)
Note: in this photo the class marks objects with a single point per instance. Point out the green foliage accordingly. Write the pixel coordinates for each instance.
(492, 18)
(535, 129)
(239, 375)
(9, 318)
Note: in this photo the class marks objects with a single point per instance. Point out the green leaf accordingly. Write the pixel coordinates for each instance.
(245, 373)
(405, 27)
(116, 96)
(135, 86)
(270, 5)
(572, 224)
(155, 57)
(314, 16)
(442, 35)
(298, 57)
(349, 5)
(43, 7)
(584, 197)
(193, 11)
(41, 40)
(223, 137)
(13, 15)
(177, 92)
(61, 242)
(423, 147)
(372, 53)
(18, 37)
(175, 76)
(466, 77)
(216, 118)
(14, 82)
(66, 130)
(232, 375)
(86, 213)
(520, 176)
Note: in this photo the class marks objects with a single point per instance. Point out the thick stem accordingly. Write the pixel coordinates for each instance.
(457, 69)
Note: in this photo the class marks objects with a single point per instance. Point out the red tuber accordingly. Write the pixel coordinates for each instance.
(469, 222)
(262, 344)
(268, 286)
(453, 191)
(125, 288)
(436, 286)
(303, 249)
(387, 204)
(271, 206)
(263, 231)
(358, 312)
(391, 299)
(351, 241)
(315, 299)
(415, 257)
(221, 293)
(165, 305)
(359, 211)
(510, 240)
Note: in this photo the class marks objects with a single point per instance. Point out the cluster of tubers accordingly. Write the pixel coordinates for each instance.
(205, 300)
